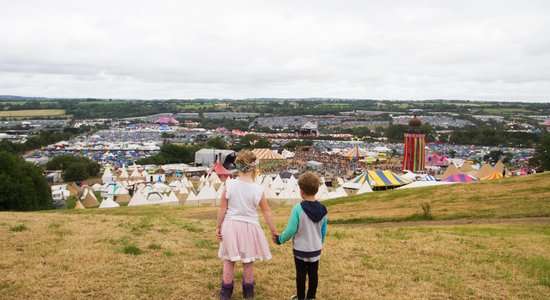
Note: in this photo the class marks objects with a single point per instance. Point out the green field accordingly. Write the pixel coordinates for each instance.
(32, 113)
(171, 252)
(333, 104)
(196, 105)
(103, 102)
(507, 111)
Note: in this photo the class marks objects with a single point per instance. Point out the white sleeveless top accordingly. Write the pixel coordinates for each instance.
(242, 198)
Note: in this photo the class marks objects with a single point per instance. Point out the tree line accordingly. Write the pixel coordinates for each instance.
(22, 185)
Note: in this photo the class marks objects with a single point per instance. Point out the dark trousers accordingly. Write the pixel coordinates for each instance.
(303, 268)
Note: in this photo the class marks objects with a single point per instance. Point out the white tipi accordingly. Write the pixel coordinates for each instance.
(108, 203)
(365, 188)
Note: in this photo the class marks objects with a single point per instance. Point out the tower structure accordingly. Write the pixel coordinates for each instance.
(415, 147)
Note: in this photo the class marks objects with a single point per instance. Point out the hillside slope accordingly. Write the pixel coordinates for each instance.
(526, 196)
(171, 252)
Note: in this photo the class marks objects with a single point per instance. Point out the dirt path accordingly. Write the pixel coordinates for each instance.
(211, 215)
(542, 220)
(203, 215)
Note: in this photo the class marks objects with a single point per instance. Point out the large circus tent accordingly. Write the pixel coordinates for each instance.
(355, 153)
(265, 154)
(376, 178)
(460, 178)
(495, 175)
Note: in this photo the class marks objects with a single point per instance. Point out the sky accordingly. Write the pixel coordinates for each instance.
(478, 50)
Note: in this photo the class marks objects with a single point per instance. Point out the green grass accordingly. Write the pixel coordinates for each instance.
(132, 249)
(507, 111)
(206, 244)
(56, 229)
(373, 220)
(98, 196)
(144, 211)
(538, 267)
(191, 227)
(154, 246)
(19, 228)
(103, 102)
(339, 235)
(144, 225)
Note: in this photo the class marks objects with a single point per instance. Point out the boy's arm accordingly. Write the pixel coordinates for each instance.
(324, 230)
(292, 225)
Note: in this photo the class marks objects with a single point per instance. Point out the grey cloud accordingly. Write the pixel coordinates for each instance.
(488, 50)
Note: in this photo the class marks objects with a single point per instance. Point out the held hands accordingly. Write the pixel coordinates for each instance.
(274, 236)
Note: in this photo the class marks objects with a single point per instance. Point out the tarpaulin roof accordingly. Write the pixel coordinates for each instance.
(385, 178)
(356, 182)
(377, 178)
(460, 178)
(267, 154)
(220, 170)
(167, 120)
(355, 153)
(451, 170)
(485, 170)
(466, 167)
(495, 175)
(499, 167)
(435, 160)
(428, 178)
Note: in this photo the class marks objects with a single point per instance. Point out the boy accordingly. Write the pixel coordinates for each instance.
(307, 227)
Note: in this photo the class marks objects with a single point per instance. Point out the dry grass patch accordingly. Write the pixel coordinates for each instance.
(471, 261)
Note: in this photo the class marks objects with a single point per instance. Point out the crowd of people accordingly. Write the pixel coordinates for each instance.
(333, 165)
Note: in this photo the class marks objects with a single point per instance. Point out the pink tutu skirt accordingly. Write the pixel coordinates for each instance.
(243, 241)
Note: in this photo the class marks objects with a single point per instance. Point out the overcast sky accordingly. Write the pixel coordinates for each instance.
(485, 50)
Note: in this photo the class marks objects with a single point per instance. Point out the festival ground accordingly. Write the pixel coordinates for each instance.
(170, 252)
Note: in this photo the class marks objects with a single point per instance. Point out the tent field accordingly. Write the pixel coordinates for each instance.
(167, 252)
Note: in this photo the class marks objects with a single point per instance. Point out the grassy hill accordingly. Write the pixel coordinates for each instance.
(527, 196)
(171, 252)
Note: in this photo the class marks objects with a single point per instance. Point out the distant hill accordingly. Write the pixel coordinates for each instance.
(19, 98)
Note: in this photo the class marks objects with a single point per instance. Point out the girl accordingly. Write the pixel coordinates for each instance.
(238, 226)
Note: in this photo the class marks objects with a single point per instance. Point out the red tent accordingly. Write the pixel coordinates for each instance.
(220, 171)
(167, 120)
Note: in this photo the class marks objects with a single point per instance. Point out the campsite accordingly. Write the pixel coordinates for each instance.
(477, 240)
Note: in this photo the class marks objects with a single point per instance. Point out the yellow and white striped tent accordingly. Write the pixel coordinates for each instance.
(378, 178)
(267, 154)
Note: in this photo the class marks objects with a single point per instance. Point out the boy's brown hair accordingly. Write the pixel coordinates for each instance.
(309, 183)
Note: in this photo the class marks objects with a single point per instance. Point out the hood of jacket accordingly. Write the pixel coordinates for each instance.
(314, 210)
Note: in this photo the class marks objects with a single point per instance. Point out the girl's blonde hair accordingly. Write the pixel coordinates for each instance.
(246, 161)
